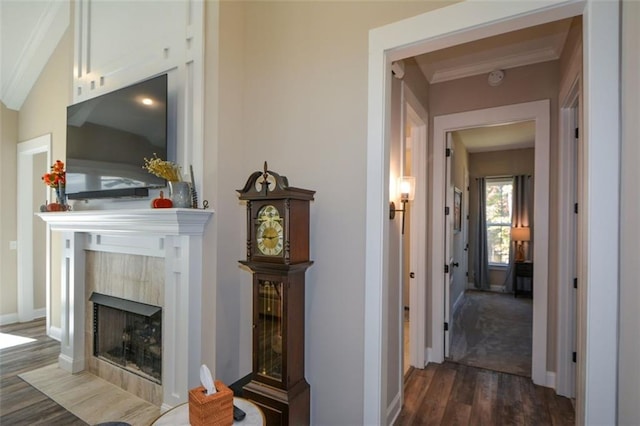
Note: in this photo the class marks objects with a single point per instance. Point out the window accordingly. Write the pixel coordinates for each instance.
(498, 198)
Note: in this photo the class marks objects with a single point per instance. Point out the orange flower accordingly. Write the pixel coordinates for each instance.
(57, 176)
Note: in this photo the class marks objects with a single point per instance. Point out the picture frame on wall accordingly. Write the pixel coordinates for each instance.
(457, 210)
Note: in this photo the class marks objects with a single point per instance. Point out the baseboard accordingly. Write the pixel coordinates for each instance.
(498, 288)
(55, 333)
(8, 318)
(70, 364)
(427, 355)
(13, 318)
(550, 380)
(393, 410)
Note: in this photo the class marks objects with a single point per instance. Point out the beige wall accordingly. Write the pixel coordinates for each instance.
(39, 234)
(228, 340)
(629, 349)
(304, 68)
(416, 81)
(8, 220)
(45, 111)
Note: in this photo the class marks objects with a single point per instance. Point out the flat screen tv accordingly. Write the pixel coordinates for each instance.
(108, 138)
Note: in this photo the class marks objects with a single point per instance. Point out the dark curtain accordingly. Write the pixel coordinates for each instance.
(481, 261)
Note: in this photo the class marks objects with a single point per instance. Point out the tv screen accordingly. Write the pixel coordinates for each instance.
(109, 136)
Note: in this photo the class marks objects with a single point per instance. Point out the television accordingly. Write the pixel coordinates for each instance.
(108, 138)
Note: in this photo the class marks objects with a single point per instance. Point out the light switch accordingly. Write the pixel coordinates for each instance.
(13, 245)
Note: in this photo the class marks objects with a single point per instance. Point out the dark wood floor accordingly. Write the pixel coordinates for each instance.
(445, 394)
(454, 394)
(20, 403)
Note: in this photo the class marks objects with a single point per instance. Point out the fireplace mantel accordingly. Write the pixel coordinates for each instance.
(138, 221)
(174, 234)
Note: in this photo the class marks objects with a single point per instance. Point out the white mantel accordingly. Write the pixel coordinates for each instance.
(175, 235)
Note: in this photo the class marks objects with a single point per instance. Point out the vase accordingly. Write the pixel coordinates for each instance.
(180, 194)
(61, 195)
(61, 201)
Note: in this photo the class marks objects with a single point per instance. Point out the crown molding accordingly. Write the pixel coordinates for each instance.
(504, 62)
(42, 42)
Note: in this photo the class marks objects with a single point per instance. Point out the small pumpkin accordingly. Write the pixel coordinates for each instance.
(161, 202)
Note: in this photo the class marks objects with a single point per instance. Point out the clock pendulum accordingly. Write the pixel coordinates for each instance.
(278, 257)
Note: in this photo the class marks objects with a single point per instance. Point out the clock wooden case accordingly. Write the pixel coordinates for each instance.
(278, 257)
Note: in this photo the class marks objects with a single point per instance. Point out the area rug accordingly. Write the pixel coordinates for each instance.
(91, 398)
(493, 331)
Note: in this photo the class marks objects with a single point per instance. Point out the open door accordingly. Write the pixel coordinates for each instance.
(448, 246)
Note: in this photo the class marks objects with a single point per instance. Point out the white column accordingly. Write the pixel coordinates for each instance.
(182, 318)
(72, 307)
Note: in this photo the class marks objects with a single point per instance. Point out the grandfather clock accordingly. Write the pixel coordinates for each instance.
(278, 257)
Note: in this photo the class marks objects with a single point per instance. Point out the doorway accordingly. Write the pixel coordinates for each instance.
(455, 25)
(487, 326)
(539, 112)
(34, 159)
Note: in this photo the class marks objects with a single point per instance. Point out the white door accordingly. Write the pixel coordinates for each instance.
(576, 178)
(464, 261)
(448, 245)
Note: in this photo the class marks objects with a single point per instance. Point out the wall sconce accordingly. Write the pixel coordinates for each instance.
(519, 235)
(407, 190)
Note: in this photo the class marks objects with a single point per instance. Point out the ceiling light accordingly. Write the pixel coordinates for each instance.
(496, 77)
(147, 101)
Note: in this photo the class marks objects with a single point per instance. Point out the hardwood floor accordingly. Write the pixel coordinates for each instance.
(20, 403)
(455, 394)
(445, 394)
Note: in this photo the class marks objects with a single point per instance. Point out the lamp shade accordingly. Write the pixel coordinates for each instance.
(407, 187)
(521, 234)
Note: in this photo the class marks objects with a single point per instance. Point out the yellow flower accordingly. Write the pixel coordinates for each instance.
(162, 168)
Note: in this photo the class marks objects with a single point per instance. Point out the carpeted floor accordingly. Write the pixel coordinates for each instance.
(90, 398)
(493, 331)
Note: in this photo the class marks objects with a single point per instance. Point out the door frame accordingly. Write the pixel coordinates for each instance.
(567, 242)
(25, 212)
(443, 125)
(598, 304)
(418, 116)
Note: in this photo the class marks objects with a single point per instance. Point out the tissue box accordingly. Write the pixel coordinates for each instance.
(211, 410)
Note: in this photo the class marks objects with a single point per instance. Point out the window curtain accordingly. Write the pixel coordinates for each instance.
(521, 215)
(481, 261)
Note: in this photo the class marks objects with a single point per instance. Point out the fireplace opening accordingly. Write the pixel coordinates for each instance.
(128, 334)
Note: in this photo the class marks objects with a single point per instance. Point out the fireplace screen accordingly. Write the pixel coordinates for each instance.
(128, 334)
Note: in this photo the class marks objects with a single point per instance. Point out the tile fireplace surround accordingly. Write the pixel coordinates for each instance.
(172, 234)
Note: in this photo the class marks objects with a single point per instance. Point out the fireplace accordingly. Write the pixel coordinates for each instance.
(167, 273)
(128, 334)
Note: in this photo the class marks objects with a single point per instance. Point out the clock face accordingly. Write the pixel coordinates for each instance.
(270, 234)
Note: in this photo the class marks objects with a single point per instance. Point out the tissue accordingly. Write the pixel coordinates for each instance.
(207, 380)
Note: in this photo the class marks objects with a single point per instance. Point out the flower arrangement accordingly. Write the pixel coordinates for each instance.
(57, 179)
(57, 176)
(162, 168)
